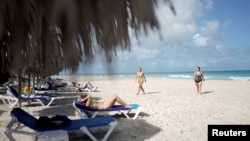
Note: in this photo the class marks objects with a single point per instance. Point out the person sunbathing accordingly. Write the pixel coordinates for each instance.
(27, 89)
(85, 85)
(87, 99)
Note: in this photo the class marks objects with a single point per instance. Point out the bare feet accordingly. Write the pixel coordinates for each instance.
(127, 106)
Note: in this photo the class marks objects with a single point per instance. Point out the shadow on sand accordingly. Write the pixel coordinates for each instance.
(121, 116)
(151, 93)
(1, 112)
(67, 110)
(207, 92)
(126, 130)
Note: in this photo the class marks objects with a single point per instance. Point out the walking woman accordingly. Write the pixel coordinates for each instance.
(198, 78)
(140, 77)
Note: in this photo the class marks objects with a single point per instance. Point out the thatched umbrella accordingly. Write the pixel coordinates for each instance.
(47, 36)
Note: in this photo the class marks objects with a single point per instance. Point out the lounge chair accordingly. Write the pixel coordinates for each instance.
(84, 111)
(8, 100)
(52, 93)
(85, 89)
(44, 100)
(21, 117)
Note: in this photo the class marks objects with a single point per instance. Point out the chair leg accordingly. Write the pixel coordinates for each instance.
(9, 100)
(9, 135)
(86, 131)
(13, 104)
(137, 112)
(82, 114)
(52, 99)
(125, 113)
(111, 128)
(40, 101)
(94, 114)
(8, 130)
(48, 104)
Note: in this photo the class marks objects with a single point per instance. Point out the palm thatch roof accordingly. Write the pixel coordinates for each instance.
(47, 36)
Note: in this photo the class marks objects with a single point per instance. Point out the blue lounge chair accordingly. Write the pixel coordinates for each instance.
(19, 116)
(82, 110)
(44, 100)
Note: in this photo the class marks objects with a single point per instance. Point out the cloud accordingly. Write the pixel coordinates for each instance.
(176, 28)
(189, 39)
(180, 34)
(210, 28)
(199, 40)
(208, 35)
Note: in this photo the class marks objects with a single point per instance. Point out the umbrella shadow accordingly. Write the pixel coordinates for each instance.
(66, 110)
(122, 116)
(136, 132)
(126, 130)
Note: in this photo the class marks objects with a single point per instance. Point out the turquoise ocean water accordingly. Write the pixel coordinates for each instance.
(239, 75)
(243, 75)
(236, 75)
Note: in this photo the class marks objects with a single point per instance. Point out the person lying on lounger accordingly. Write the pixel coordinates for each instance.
(85, 85)
(87, 99)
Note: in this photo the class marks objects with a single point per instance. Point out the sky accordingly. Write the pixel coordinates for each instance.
(212, 34)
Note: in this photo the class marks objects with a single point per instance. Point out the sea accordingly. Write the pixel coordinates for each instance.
(234, 75)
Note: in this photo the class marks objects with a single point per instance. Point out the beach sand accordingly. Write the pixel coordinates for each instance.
(172, 109)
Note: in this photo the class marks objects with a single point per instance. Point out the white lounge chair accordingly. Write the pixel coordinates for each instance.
(8, 100)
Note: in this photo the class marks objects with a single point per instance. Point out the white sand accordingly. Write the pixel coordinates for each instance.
(172, 110)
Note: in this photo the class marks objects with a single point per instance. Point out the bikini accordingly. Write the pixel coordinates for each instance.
(198, 78)
(94, 104)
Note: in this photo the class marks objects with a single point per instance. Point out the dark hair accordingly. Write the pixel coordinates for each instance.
(199, 68)
(83, 95)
